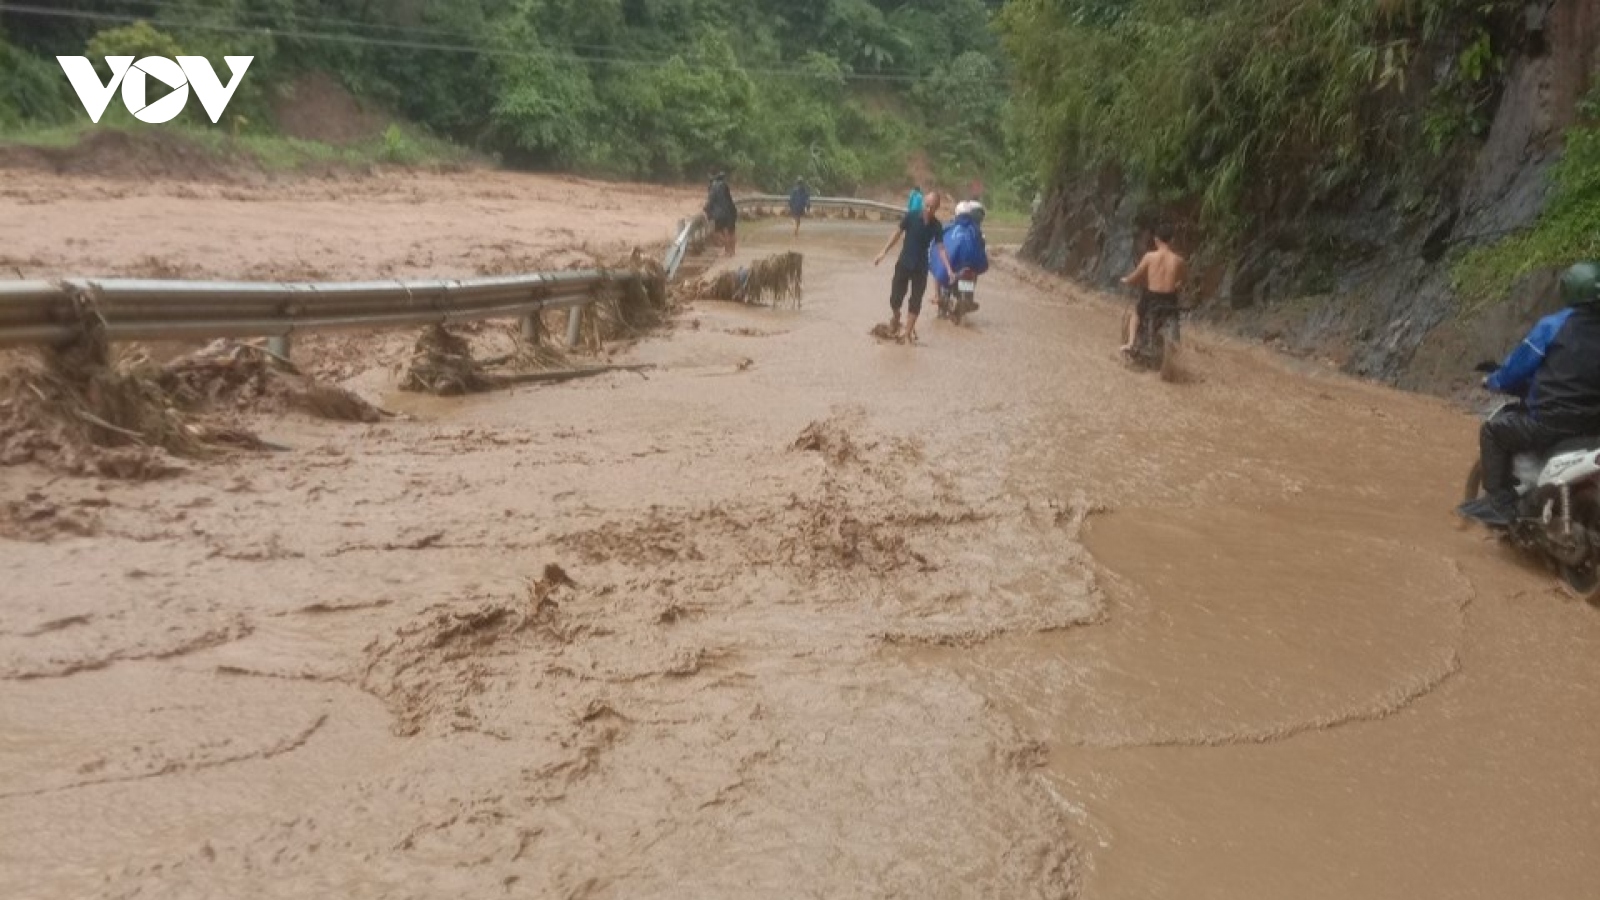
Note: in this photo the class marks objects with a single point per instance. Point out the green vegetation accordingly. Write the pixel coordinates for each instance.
(272, 152)
(1251, 110)
(844, 92)
(1568, 231)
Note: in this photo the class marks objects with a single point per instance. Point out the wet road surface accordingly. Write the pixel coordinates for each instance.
(986, 617)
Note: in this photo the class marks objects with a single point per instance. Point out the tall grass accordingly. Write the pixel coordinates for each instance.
(1246, 108)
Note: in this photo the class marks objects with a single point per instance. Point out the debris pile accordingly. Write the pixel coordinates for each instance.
(80, 409)
(442, 364)
(231, 375)
(774, 281)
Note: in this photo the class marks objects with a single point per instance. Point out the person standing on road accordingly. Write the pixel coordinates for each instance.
(914, 202)
(722, 212)
(920, 231)
(1161, 275)
(799, 203)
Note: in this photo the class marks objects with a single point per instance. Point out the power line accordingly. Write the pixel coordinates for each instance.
(408, 44)
(263, 16)
(168, 6)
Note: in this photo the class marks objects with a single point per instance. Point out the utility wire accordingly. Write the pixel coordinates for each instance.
(408, 44)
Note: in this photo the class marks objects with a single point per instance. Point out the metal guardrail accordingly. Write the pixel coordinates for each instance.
(52, 312)
(850, 203)
(693, 230)
(40, 312)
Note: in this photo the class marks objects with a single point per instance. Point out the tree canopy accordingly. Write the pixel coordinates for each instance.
(840, 91)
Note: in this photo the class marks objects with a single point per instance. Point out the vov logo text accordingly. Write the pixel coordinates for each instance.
(133, 77)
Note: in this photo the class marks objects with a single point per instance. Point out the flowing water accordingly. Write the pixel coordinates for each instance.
(799, 614)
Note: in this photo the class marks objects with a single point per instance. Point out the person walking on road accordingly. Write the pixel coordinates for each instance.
(722, 212)
(914, 202)
(799, 203)
(920, 231)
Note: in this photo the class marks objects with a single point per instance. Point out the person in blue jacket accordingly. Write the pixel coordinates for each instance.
(965, 247)
(1557, 369)
(799, 203)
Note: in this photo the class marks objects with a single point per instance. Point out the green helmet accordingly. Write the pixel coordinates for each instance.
(1581, 284)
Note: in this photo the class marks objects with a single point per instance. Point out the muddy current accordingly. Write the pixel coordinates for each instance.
(800, 614)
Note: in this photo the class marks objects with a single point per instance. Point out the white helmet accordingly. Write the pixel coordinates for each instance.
(964, 207)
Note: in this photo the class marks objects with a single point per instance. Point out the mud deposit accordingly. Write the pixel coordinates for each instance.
(802, 614)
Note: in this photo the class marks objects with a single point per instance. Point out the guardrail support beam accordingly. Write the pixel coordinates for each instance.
(531, 329)
(280, 346)
(574, 323)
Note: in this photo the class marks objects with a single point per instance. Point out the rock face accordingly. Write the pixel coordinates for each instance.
(1367, 284)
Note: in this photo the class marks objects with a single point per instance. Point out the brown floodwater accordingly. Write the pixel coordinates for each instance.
(985, 617)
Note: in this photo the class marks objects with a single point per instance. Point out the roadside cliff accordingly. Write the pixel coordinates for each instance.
(1366, 282)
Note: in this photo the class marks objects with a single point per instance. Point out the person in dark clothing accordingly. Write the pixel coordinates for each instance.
(920, 231)
(1160, 275)
(722, 212)
(799, 203)
(1557, 369)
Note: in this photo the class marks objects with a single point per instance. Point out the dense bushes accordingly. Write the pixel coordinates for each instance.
(1253, 108)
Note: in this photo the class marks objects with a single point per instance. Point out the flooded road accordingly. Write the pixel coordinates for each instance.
(800, 614)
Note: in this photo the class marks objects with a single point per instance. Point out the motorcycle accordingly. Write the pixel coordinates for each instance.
(1558, 506)
(1155, 347)
(956, 298)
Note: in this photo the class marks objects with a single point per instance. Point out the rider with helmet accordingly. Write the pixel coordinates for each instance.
(965, 246)
(1557, 369)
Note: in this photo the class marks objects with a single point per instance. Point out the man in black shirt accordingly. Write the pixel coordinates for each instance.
(920, 230)
(722, 212)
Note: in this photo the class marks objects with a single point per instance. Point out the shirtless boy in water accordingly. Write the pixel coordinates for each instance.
(1161, 272)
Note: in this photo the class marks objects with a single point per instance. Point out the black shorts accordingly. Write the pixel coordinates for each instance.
(726, 223)
(909, 284)
(1158, 305)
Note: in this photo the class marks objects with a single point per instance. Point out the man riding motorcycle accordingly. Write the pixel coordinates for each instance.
(964, 244)
(1557, 369)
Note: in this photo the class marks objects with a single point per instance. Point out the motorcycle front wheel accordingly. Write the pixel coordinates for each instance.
(1582, 582)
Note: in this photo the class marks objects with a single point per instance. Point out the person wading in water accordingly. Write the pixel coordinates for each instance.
(921, 230)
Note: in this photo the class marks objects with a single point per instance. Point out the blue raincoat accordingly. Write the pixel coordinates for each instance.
(963, 241)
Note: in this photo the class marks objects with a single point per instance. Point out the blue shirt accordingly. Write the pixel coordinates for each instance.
(1517, 375)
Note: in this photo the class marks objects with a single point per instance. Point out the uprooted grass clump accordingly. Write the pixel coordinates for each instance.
(442, 364)
(83, 410)
(628, 308)
(774, 281)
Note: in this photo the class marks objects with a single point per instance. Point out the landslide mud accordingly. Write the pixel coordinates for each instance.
(801, 614)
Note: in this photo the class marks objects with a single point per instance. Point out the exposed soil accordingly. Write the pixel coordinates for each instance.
(316, 107)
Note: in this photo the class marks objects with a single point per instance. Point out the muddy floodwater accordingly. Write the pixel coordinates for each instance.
(800, 614)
